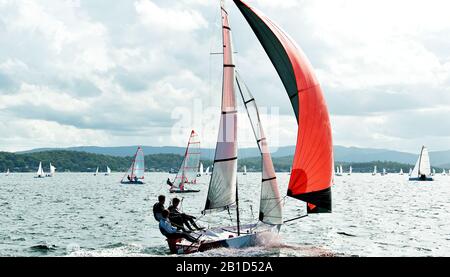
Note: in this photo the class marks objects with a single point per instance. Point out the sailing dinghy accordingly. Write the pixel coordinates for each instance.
(7, 172)
(401, 171)
(96, 172)
(52, 171)
(374, 171)
(350, 171)
(108, 171)
(40, 173)
(188, 170)
(135, 174)
(201, 172)
(422, 170)
(312, 174)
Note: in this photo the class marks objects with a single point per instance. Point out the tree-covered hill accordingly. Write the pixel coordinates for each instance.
(72, 161)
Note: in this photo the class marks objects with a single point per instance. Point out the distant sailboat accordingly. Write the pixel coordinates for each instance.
(443, 172)
(245, 170)
(384, 172)
(40, 173)
(410, 171)
(108, 171)
(401, 171)
(434, 172)
(7, 172)
(188, 170)
(207, 171)
(96, 172)
(374, 171)
(135, 173)
(350, 171)
(422, 170)
(339, 171)
(200, 171)
(52, 171)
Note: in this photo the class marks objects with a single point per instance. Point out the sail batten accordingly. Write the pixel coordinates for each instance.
(312, 173)
(223, 183)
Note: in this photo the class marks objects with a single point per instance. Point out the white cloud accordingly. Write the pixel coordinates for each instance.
(113, 74)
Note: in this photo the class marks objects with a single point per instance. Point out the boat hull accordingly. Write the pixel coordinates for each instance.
(184, 191)
(221, 238)
(132, 183)
(428, 179)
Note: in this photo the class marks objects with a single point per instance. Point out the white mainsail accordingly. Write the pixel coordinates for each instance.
(422, 167)
(200, 171)
(222, 191)
(410, 172)
(207, 171)
(374, 170)
(401, 171)
(40, 173)
(443, 172)
(350, 171)
(108, 171)
(52, 170)
(96, 172)
(270, 202)
(7, 172)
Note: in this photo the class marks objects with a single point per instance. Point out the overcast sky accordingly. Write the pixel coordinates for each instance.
(128, 72)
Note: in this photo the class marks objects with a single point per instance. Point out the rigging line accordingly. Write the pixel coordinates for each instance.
(293, 219)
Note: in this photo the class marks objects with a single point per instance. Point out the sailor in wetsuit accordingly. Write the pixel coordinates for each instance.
(158, 208)
(171, 232)
(180, 219)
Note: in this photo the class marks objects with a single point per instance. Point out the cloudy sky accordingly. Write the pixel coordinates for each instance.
(89, 72)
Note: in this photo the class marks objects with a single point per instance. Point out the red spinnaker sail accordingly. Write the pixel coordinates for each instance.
(312, 169)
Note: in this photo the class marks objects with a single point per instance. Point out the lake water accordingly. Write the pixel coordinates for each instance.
(84, 215)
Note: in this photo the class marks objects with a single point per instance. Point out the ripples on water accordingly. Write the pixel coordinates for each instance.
(83, 215)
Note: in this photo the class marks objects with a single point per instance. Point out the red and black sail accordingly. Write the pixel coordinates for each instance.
(312, 169)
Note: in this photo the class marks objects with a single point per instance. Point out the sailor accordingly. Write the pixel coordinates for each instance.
(129, 178)
(171, 232)
(169, 183)
(180, 219)
(158, 208)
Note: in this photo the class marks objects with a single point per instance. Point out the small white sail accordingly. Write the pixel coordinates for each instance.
(443, 172)
(410, 172)
(350, 170)
(96, 172)
(52, 170)
(207, 171)
(201, 171)
(434, 172)
(374, 171)
(401, 171)
(422, 170)
(40, 173)
(7, 172)
(384, 171)
(108, 171)
(245, 170)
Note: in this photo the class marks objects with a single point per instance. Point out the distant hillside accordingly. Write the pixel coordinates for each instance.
(86, 162)
(344, 154)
